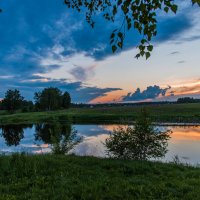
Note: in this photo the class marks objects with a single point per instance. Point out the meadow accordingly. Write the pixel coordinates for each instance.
(71, 177)
(180, 113)
(49, 176)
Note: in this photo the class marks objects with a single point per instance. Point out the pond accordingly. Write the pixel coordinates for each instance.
(37, 139)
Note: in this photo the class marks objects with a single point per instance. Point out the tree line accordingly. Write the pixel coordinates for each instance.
(154, 103)
(188, 100)
(47, 100)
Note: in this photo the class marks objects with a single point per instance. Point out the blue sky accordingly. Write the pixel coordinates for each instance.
(43, 43)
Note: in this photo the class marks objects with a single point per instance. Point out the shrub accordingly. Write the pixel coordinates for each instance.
(139, 142)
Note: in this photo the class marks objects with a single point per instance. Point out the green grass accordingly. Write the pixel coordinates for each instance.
(71, 177)
(159, 113)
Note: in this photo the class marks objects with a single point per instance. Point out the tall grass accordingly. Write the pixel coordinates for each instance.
(71, 177)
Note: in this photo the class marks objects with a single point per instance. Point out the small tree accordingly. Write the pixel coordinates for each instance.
(13, 100)
(140, 142)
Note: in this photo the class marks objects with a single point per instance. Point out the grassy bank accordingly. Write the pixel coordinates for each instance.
(70, 177)
(159, 113)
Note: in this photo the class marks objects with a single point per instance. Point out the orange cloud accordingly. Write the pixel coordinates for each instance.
(110, 97)
(177, 90)
(185, 88)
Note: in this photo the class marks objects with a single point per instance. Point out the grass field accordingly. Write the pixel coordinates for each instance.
(71, 177)
(159, 113)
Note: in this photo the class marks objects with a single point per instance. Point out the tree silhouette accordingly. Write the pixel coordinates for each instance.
(52, 99)
(66, 100)
(12, 100)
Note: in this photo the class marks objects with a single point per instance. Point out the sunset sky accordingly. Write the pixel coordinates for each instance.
(43, 44)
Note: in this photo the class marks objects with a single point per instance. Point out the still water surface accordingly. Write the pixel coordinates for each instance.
(184, 142)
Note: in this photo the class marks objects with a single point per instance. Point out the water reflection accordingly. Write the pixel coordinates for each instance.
(49, 133)
(61, 136)
(39, 138)
(57, 137)
(13, 133)
(92, 146)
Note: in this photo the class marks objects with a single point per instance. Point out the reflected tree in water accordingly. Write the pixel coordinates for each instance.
(13, 133)
(61, 136)
(140, 142)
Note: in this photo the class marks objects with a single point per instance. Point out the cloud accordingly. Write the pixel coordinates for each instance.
(40, 26)
(150, 93)
(191, 38)
(187, 88)
(82, 73)
(181, 62)
(170, 28)
(79, 92)
(79, 73)
(34, 33)
(174, 53)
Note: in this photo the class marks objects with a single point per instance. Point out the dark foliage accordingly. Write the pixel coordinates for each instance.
(140, 142)
(188, 100)
(66, 100)
(52, 99)
(27, 106)
(12, 100)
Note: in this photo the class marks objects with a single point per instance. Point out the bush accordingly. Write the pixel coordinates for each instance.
(140, 142)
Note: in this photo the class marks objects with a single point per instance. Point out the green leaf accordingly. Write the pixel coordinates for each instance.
(150, 48)
(112, 36)
(174, 8)
(143, 41)
(129, 25)
(166, 9)
(137, 56)
(114, 48)
(142, 53)
(120, 35)
(147, 54)
(120, 44)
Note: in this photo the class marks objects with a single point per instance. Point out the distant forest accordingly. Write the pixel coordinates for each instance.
(179, 101)
(50, 99)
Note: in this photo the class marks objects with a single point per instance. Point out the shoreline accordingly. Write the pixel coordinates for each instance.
(165, 115)
(173, 124)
